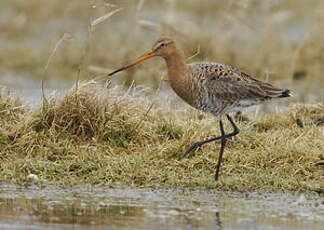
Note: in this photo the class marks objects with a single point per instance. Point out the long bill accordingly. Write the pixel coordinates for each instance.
(136, 61)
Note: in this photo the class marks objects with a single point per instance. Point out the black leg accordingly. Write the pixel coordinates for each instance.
(190, 151)
(236, 130)
(221, 151)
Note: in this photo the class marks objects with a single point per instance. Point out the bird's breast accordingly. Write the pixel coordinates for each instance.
(184, 89)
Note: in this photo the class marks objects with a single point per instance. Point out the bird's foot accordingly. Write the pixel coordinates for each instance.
(191, 150)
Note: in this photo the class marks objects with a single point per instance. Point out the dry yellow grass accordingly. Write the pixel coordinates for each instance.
(95, 135)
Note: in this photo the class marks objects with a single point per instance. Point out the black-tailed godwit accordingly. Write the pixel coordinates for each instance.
(212, 87)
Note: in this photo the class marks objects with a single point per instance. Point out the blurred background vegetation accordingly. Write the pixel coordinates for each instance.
(274, 40)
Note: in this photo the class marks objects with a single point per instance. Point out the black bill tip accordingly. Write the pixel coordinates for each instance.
(116, 71)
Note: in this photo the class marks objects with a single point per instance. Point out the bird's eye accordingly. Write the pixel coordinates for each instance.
(162, 45)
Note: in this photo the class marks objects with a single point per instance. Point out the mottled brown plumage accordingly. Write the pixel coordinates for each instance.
(211, 87)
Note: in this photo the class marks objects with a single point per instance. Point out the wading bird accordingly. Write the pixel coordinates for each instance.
(215, 88)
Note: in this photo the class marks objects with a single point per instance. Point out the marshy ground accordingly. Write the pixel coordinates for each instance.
(99, 135)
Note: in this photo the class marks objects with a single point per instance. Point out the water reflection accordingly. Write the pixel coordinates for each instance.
(36, 212)
(218, 222)
(99, 208)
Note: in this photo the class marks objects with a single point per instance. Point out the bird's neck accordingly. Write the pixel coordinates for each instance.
(178, 75)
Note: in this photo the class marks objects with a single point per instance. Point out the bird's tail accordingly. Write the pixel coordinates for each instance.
(273, 92)
(285, 93)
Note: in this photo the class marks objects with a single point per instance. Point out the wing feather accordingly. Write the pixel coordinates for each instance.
(229, 84)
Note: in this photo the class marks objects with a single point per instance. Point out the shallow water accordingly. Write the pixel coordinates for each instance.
(103, 208)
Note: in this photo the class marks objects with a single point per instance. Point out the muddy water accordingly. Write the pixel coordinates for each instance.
(107, 208)
(29, 90)
(30, 93)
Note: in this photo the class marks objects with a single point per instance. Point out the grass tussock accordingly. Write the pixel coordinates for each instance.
(88, 112)
(95, 135)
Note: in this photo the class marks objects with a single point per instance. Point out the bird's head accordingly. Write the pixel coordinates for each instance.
(163, 48)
